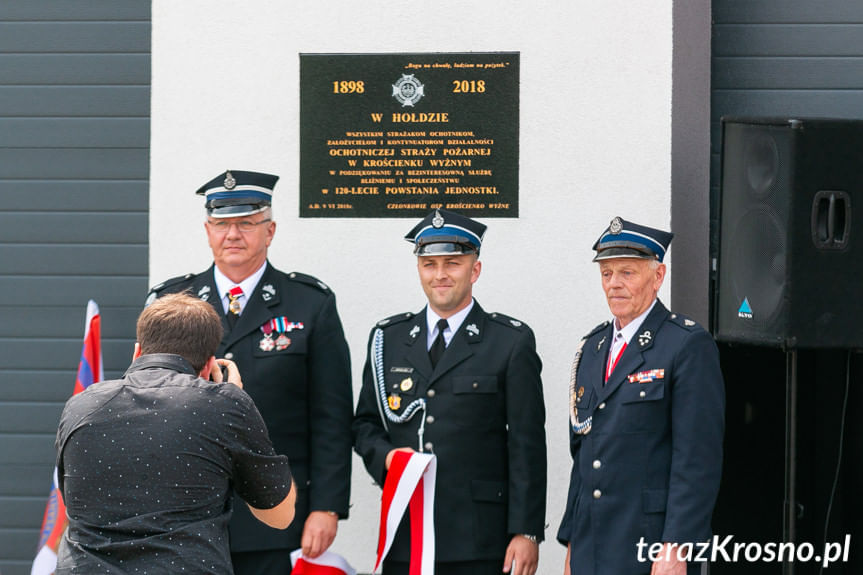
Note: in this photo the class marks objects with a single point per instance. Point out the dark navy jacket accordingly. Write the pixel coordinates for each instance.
(651, 463)
(303, 392)
(484, 422)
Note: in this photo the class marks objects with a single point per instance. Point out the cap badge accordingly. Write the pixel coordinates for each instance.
(406, 384)
(472, 329)
(616, 225)
(437, 221)
(230, 183)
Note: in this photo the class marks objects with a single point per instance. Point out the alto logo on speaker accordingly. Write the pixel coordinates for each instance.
(745, 311)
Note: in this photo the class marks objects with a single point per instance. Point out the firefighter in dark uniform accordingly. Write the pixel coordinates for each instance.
(647, 411)
(284, 333)
(465, 385)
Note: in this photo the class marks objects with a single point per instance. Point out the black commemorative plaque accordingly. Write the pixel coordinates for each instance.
(398, 135)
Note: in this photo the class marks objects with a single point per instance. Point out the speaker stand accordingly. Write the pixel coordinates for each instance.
(789, 519)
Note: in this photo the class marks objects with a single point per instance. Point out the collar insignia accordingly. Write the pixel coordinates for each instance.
(204, 293)
(267, 292)
(599, 345)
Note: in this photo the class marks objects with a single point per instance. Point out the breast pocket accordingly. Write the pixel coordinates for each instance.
(476, 401)
(644, 405)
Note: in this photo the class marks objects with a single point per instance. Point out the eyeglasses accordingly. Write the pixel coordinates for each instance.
(245, 226)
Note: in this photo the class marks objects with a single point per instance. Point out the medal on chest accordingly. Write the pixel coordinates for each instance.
(267, 343)
(282, 342)
(275, 333)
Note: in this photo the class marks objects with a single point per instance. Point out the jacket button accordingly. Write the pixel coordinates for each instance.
(475, 385)
(229, 355)
(430, 393)
(601, 405)
(430, 419)
(597, 493)
(429, 446)
(642, 394)
(597, 464)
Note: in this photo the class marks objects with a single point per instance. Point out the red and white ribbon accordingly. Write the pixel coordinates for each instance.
(327, 563)
(410, 481)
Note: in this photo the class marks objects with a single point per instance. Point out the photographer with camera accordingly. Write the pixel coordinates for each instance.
(147, 463)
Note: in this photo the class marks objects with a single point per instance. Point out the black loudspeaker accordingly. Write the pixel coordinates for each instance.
(790, 259)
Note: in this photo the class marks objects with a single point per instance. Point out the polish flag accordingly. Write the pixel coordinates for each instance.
(89, 372)
(327, 563)
(410, 482)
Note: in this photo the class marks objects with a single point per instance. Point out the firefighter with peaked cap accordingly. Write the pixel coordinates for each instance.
(463, 384)
(647, 413)
(284, 333)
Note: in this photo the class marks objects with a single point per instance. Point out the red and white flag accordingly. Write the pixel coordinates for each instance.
(327, 563)
(410, 482)
(89, 372)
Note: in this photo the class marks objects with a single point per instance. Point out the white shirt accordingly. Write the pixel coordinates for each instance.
(248, 285)
(453, 323)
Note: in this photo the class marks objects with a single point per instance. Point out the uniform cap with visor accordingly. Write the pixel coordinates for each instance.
(622, 239)
(443, 233)
(238, 193)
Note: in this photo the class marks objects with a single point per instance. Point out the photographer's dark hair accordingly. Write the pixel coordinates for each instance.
(182, 325)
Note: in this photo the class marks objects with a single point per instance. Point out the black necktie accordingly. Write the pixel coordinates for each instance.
(439, 344)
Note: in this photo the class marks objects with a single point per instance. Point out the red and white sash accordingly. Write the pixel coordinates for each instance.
(410, 481)
(327, 563)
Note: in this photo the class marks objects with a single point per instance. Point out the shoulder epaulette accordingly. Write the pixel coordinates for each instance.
(684, 322)
(394, 319)
(160, 287)
(506, 320)
(309, 280)
(173, 281)
(597, 329)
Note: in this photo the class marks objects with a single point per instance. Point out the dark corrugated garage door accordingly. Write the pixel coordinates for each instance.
(74, 165)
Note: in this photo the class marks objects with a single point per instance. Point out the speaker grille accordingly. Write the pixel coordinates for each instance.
(761, 161)
(756, 176)
(756, 245)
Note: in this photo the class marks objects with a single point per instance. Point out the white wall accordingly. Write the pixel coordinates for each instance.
(595, 142)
